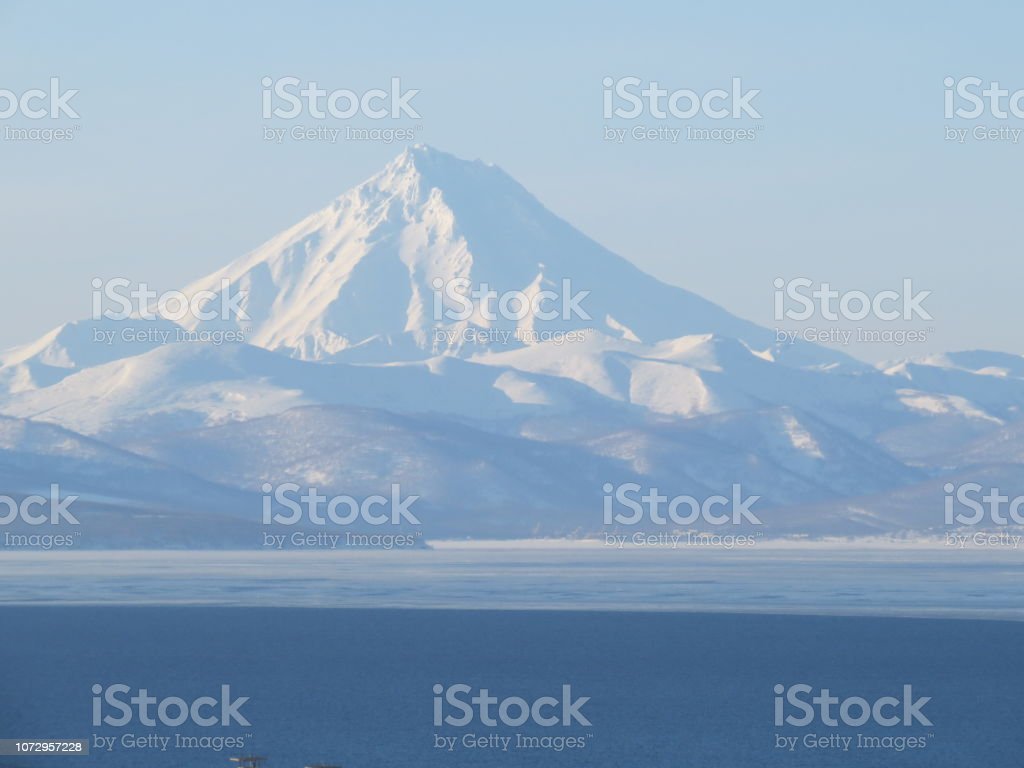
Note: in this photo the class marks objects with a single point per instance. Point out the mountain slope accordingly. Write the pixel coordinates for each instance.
(358, 277)
(123, 499)
(476, 483)
(187, 386)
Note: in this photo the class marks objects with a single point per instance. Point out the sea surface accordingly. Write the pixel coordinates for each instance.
(678, 654)
(355, 687)
(908, 581)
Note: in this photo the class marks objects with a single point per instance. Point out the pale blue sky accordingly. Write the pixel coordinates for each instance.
(850, 180)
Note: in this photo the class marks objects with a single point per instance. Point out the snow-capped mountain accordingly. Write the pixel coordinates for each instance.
(185, 386)
(356, 280)
(73, 347)
(357, 371)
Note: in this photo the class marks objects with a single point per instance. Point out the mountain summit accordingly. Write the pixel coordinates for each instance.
(366, 277)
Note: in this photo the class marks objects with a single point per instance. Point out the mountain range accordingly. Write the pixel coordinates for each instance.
(353, 364)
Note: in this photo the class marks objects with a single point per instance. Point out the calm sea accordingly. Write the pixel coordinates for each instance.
(355, 686)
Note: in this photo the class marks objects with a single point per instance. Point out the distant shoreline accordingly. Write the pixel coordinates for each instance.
(790, 579)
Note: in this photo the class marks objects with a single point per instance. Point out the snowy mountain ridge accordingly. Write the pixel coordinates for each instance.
(508, 424)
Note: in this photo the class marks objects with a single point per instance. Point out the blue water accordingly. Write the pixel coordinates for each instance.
(354, 686)
(887, 581)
